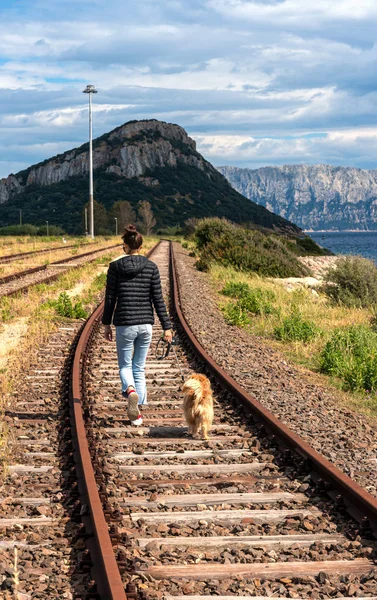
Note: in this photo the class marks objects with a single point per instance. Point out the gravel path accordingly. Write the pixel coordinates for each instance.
(344, 437)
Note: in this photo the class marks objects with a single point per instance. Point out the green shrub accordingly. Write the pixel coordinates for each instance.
(19, 230)
(353, 282)
(32, 230)
(351, 355)
(5, 309)
(247, 250)
(257, 302)
(235, 289)
(295, 329)
(64, 307)
(203, 264)
(250, 300)
(307, 246)
(234, 314)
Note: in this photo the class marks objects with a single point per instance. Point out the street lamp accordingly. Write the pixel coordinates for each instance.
(47, 227)
(90, 89)
(116, 225)
(86, 221)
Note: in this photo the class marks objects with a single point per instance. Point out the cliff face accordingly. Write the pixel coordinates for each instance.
(141, 160)
(128, 151)
(313, 197)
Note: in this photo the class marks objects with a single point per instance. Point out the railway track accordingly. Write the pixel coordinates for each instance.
(164, 515)
(21, 281)
(12, 257)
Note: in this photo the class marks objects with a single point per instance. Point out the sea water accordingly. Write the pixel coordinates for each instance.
(362, 243)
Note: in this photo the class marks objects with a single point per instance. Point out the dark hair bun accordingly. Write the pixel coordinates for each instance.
(132, 238)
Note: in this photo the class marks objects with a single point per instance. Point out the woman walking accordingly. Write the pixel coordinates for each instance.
(133, 288)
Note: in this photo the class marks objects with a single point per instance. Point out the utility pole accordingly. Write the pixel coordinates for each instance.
(116, 225)
(86, 221)
(20, 216)
(90, 89)
(47, 227)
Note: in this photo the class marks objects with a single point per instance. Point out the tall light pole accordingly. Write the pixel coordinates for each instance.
(90, 89)
(86, 221)
(116, 225)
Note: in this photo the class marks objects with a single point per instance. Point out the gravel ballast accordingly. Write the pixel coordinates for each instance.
(346, 438)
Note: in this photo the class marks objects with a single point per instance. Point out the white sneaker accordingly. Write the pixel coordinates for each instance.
(138, 421)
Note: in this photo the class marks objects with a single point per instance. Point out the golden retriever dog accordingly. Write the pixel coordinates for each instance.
(198, 405)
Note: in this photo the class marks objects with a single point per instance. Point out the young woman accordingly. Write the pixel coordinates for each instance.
(133, 288)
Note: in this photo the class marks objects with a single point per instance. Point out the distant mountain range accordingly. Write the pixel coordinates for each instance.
(140, 160)
(314, 197)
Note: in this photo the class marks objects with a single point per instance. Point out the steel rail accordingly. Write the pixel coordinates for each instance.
(10, 257)
(359, 503)
(64, 261)
(105, 569)
(48, 279)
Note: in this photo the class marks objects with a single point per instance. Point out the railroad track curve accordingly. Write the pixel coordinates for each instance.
(168, 516)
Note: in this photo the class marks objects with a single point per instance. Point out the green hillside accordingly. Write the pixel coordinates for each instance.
(180, 183)
(183, 192)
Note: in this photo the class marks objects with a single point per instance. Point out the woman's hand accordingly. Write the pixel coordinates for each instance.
(108, 333)
(168, 336)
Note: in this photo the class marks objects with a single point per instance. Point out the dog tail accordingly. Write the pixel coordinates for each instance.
(194, 386)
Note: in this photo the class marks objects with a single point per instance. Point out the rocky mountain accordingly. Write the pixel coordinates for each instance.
(141, 160)
(314, 197)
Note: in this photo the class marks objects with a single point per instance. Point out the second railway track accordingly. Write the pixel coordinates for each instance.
(21, 281)
(174, 517)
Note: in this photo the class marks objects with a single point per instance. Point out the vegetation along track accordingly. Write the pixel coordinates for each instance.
(167, 516)
(11, 257)
(23, 280)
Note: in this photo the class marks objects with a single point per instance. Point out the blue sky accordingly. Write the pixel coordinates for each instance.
(254, 82)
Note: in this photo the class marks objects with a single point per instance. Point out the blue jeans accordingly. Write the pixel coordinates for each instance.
(133, 342)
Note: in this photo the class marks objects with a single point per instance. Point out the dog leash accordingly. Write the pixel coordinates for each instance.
(163, 350)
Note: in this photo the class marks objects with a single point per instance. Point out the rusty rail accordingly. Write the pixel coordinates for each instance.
(359, 503)
(48, 279)
(104, 566)
(10, 257)
(21, 274)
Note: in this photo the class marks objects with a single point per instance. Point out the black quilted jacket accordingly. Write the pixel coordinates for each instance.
(133, 287)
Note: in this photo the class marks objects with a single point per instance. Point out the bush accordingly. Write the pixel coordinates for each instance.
(306, 246)
(247, 250)
(19, 230)
(234, 314)
(28, 229)
(255, 301)
(351, 355)
(203, 264)
(353, 282)
(65, 308)
(235, 290)
(295, 329)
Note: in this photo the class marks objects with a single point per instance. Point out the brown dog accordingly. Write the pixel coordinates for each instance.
(198, 405)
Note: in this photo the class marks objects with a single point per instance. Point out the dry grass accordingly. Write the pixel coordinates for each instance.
(17, 244)
(53, 255)
(41, 323)
(313, 307)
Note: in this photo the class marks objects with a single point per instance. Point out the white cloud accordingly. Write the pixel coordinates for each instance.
(296, 11)
(249, 78)
(341, 147)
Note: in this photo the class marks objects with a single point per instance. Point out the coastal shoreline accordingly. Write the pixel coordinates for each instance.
(308, 231)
